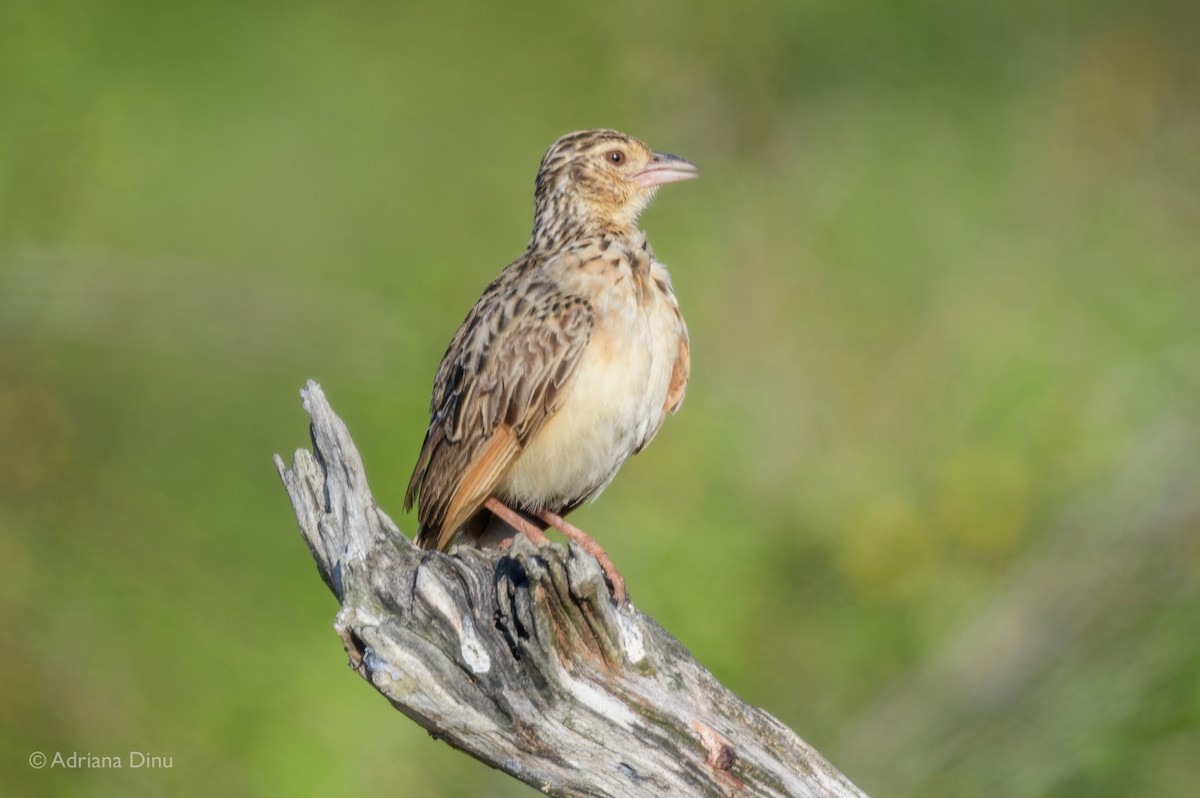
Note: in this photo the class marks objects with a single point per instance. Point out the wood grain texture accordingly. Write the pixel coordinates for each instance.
(521, 660)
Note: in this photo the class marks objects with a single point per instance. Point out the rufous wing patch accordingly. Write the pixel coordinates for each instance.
(679, 377)
(478, 480)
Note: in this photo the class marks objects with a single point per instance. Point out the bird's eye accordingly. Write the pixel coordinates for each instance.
(616, 157)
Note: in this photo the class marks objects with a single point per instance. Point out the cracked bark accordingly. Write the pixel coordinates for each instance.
(521, 660)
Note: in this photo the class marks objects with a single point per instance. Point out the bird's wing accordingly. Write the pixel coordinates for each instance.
(502, 377)
(679, 375)
(681, 368)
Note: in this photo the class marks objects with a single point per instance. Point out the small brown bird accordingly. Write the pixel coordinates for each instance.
(568, 363)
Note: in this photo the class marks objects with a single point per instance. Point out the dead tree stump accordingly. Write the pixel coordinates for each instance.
(521, 660)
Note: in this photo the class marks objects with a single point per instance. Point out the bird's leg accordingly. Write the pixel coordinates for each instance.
(516, 521)
(591, 547)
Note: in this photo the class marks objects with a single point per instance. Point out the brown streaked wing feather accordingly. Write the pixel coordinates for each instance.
(477, 482)
(501, 378)
(462, 357)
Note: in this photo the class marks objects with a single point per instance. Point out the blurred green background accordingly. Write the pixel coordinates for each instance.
(934, 496)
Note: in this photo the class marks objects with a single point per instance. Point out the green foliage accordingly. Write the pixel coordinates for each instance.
(941, 280)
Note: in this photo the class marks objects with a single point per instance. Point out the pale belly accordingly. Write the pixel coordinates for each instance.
(612, 409)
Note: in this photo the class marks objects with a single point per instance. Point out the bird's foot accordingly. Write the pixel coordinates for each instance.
(516, 521)
(588, 543)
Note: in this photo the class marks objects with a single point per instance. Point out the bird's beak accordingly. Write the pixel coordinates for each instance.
(666, 168)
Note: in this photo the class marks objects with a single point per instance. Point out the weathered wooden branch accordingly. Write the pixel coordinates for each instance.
(521, 660)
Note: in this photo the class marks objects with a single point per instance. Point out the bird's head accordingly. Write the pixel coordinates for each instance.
(599, 180)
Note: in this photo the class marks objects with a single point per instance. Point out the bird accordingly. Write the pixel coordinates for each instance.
(568, 363)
